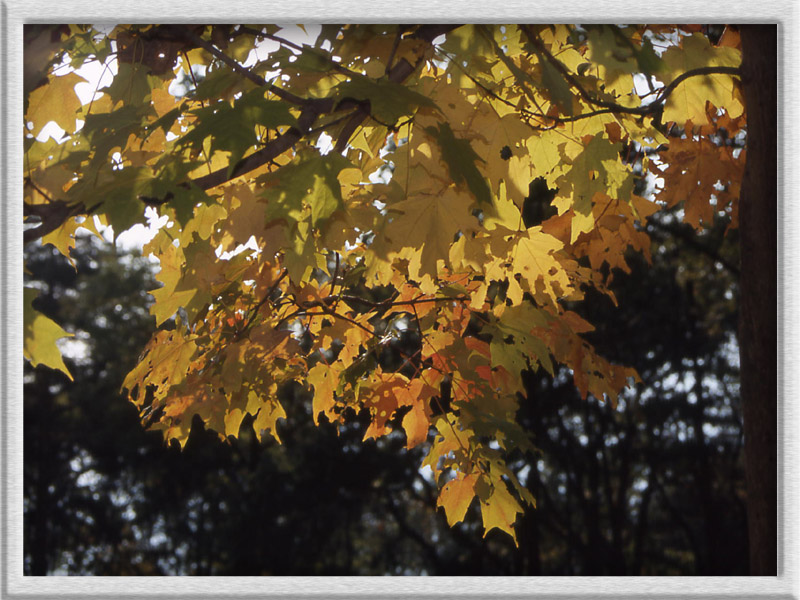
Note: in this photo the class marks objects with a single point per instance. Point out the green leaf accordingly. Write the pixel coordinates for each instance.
(232, 128)
(41, 333)
(595, 170)
(119, 192)
(132, 85)
(460, 159)
(310, 179)
(216, 83)
(648, 61)
(388, 100)
(513, 345)
(255, 109)
(557, 86)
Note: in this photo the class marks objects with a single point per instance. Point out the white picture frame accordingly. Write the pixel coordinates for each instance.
(12, 582)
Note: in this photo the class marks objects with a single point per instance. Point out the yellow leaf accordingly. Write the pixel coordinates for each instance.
(544, 154)
(63, 238)
(505, 211)
(233, 420)
(533, 259)
(416, 424)
(324, 379)
(500, 509)
(204, 222)
(430, 223)
(456, 496)
(41, 333)
(266, 420)
(163, 101)
(688, 101)
(56, 101)
(165, 363)
(168, 300)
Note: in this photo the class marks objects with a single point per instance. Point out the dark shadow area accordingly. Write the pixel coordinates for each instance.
(652, 487)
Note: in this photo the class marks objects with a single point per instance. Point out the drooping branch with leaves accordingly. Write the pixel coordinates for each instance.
(350, 213)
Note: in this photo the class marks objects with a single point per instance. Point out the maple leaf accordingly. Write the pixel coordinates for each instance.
(500, 509)
(461, 158)
(456, 496)
(232, 128)
(534, 260)
(514, 344)
(282, 252)
(688, 101)
(325, 379)
(309, 180)
(56, 101)
(267, 411)
(429, 224)
(694, 170)
(389, 101)
(417, 421)
(41, 335)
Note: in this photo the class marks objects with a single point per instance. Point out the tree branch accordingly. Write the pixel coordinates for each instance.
(271, 149)
(653, 107)
(312, 109)
(388, 303)
(396, 74)
(244, 72)
(284, 42)
(52, 215)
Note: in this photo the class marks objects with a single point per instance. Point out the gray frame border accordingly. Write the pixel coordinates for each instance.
(14, 585)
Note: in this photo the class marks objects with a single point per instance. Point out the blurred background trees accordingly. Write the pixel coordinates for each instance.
(654, 487)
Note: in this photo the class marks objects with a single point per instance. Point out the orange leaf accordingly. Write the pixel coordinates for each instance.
(456, 496)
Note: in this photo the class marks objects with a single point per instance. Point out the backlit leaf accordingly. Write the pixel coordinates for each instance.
(41, 335)
(456, 496)
(55, 101)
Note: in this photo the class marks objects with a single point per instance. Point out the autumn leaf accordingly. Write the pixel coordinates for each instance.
(461, 160)
(41, 335)
(500, 509)
(429, 224)
(688, 101)
(456, 496)
(324, 379)
(56, 101)
(534, 260)
(355, 215)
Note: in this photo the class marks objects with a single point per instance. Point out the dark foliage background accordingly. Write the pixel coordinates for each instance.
(654, 487)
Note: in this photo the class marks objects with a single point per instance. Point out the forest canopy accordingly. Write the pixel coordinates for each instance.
(404, 220)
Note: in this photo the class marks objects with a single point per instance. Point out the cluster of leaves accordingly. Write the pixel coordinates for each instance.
(333, 198)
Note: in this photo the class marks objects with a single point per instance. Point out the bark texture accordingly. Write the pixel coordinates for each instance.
(758, 304)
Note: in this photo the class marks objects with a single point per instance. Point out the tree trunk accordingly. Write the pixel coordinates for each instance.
(758, 287)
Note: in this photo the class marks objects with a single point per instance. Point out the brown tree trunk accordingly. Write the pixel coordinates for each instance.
(758, 286)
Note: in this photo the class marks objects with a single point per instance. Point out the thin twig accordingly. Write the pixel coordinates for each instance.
(653, 107)
(283, 41)
(396, 43)
(244, 72)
